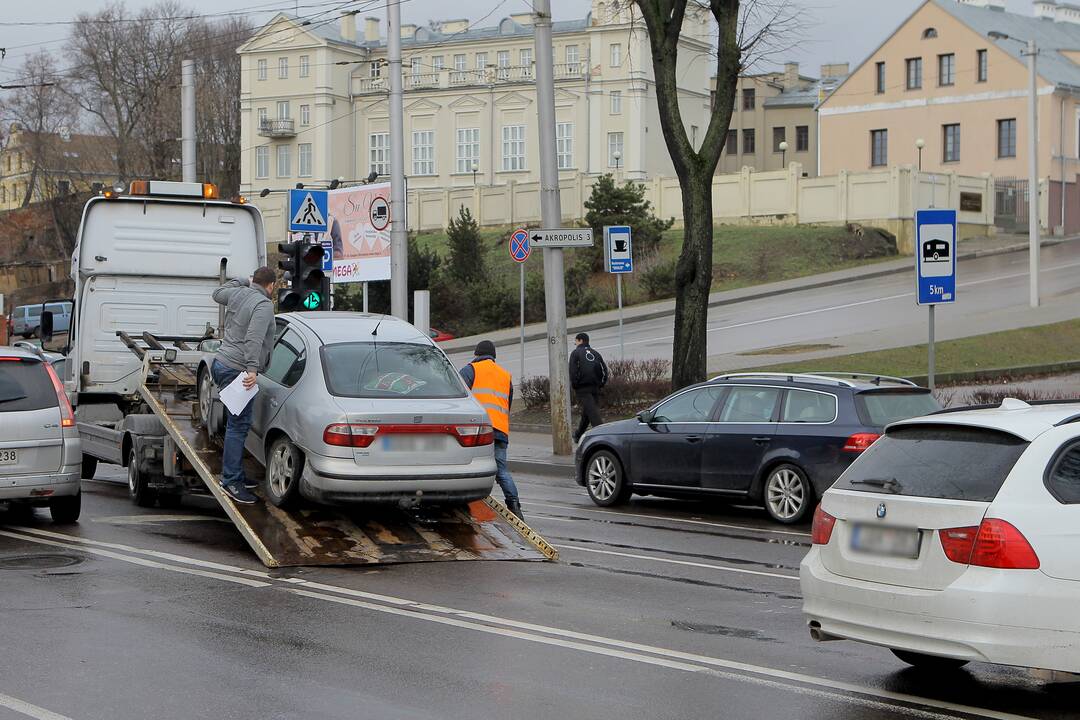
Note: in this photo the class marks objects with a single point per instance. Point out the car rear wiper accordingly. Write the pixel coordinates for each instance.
(889, 484)
(11, 398)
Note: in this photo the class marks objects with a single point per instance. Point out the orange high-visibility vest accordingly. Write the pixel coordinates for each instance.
(491, 387)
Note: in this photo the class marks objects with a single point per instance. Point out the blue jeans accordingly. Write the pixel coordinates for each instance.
(236, 429)
(502, 473)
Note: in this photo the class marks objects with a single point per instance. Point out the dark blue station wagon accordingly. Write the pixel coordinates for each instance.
(775, 439)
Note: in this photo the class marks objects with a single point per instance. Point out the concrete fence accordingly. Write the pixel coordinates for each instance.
(886, 198)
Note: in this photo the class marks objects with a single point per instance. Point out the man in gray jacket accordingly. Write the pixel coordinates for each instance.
(245, 349)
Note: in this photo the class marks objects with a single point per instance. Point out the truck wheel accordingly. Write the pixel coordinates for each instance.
(138, 490)
(205, 386)
(283, 467)
(65, 510)
(89, 467)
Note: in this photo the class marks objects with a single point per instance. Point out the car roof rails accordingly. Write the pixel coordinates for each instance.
(791, 377)
(873, 378)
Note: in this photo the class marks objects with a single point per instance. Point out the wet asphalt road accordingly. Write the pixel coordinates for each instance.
(661, 609)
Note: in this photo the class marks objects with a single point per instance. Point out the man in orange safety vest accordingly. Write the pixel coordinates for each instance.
(493, 387)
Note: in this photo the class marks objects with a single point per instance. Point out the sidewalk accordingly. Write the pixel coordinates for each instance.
(530, 453)
(969, 250)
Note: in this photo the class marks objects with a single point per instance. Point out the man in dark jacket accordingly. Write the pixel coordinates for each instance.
(245, 350)
(588, 373)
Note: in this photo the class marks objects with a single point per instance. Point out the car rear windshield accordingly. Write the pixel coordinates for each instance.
(936, 461)
(25, 385)
(879, 409)
(390, 370)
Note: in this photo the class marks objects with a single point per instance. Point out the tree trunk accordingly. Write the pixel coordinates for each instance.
(693, 280)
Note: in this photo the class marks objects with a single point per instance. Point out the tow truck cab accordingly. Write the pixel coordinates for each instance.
(147, 261)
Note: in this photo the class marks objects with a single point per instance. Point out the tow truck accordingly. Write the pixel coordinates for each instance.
(145, 264)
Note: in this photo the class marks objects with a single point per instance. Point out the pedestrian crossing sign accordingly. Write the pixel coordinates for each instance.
(307, 210)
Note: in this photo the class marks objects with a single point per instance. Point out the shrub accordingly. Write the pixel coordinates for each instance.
(466, 259)
(535, 391)
(633, 384)
(659, 280)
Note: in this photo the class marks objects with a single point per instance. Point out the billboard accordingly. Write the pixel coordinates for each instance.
(359, 227)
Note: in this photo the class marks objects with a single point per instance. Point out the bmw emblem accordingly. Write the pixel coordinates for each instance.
(881, 510)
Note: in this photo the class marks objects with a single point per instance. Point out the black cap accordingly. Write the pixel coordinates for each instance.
(485, 348)
(583, 337)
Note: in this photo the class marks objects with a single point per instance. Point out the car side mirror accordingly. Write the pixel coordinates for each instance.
(646, 416)
(46, 325)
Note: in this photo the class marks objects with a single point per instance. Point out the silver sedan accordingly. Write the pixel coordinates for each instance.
(362, 408)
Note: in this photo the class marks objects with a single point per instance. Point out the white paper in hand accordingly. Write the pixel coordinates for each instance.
(235, 396)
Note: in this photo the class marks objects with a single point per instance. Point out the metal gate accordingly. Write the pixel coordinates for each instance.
(1011, 204)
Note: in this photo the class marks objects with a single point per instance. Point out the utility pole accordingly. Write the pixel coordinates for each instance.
(187, 120)
(551, 216)
(399, 233)
(1033, 174)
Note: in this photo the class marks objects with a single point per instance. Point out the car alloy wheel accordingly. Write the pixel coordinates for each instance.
(283, 472)
(604, 480)
(787, 494)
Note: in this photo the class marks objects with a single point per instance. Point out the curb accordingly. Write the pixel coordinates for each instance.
(539, 467)
(961, 378)
(459, 345)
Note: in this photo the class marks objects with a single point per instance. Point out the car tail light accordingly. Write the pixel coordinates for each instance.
(67, 415)
(355, 435)
(994, 543)
(860, 441)
(821, 530)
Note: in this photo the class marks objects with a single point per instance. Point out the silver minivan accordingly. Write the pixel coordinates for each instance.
(40, 451)
(26, 319)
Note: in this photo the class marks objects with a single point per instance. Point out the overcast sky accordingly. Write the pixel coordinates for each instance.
(834, 30)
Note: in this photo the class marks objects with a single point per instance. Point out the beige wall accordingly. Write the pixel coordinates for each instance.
(849, 114)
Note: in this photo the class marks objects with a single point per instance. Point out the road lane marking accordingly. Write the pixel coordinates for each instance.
(154, 519)
(844, 306)
(708, 523)
(596, 644)
(677, 562)
(24, 708)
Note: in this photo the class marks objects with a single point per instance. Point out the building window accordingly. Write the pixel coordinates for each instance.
(879, 87)
(982, 65)
(615, 145)
(303, 154)
(951, 143)
(283, 68)
(305, 114)
(693, 136)
(779, 135)
(879, 148)
(572, 63)
(423, 152)
(283, 110)
(513, 147)
(262, 161)
(731, 144)
(564, 145)
(468, 149)
(929, 33)
(914, 73)
(748, 142)
(946, 69)
(260, 113)
(749, 97)
(3, 193)
(802, 138)
(616, 102)
(417, 66)
(262, 69)
(437, 63)
(283, 161)
(616, 54)
(502, 59)
(1006, 138)
(375, 69)
(460, 62)
(379, 152)
(481, 61)
(305, 66)
(63, 187)
(525, 61)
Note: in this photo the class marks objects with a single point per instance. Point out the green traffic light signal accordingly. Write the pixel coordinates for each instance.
(312, 301)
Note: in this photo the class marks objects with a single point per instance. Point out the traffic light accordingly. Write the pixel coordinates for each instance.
(309, 288)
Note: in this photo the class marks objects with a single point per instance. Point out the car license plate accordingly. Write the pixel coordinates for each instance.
(412, 443)
(9, 457)
(888, 541)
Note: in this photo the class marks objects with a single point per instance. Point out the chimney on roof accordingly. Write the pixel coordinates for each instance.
(791, 75)
(408, 31)
(1058, 12)
(835, 70)
(348, 26)
(371, 29)
(449, 27)
(525, 19)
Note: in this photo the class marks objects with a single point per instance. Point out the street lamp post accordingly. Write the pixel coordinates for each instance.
(475, 166)
(783, 153)
(1030, 51)
(616, 156)
(920, 144)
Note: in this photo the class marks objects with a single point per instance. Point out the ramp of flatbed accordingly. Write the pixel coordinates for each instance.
(318, 535)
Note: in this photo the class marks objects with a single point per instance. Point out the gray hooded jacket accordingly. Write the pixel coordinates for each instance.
(249, 326)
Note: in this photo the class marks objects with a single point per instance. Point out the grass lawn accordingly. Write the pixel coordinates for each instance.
(1040, 345)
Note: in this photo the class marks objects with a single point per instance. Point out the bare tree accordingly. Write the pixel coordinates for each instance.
(217, 95)
(744, 32)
